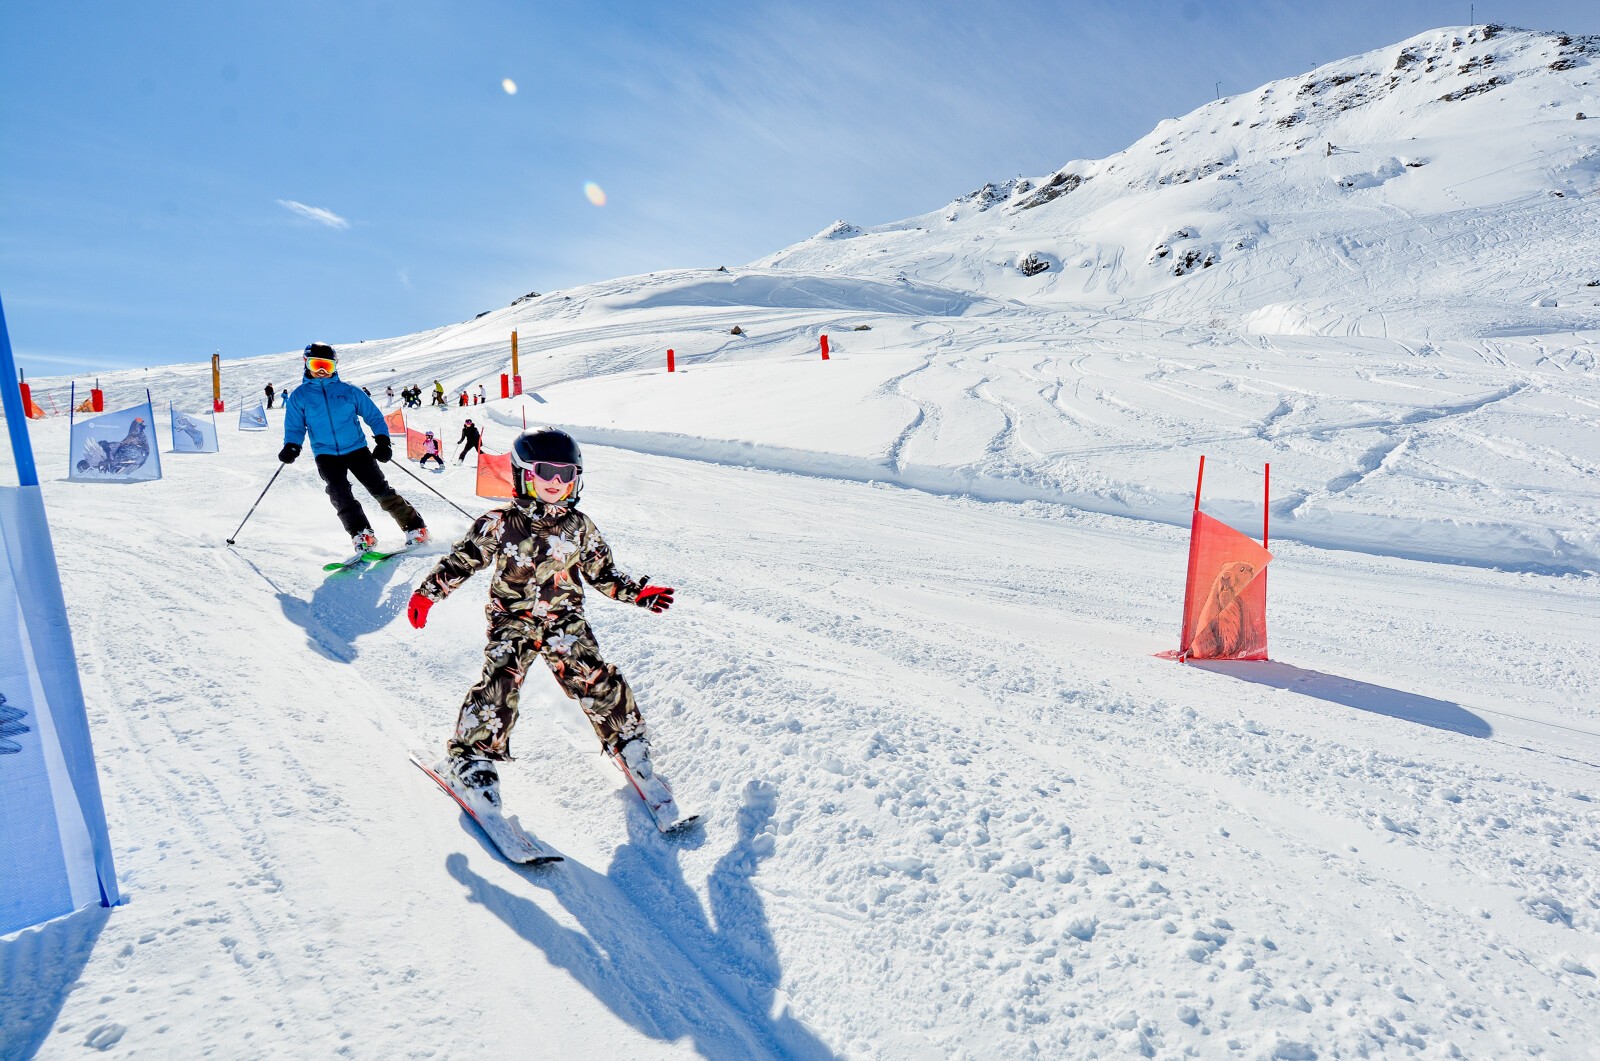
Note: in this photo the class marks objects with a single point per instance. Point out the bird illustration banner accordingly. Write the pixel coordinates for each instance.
(193, 433)
(253, 419)
(117, 446)
(1225, 601)
(494, 475)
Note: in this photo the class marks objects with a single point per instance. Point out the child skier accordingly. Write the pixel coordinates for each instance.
(543, 549)
(430, 449)
(331, 410)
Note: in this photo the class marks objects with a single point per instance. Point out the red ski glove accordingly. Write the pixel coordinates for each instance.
(657, 598)
(417, 610)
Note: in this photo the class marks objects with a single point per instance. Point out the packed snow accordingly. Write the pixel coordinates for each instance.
(955, 806)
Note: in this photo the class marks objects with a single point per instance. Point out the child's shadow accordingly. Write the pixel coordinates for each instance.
(647, 949)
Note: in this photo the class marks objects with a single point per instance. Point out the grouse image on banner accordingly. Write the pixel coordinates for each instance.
(10, 726)
(193, 434)
(117, 458)
(115, 446)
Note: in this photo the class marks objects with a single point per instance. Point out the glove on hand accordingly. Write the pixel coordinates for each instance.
(289, 452)
(382, 449)
(657, 598)
(417, 610)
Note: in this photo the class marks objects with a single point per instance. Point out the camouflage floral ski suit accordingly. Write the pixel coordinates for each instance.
(542, 554)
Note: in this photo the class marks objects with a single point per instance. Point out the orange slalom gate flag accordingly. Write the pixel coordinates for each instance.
(414, 441)
(494, 475)
(85, 406)
(397, 422)
(1225, 601)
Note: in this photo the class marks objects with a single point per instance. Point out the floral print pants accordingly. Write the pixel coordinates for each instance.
(483, 729)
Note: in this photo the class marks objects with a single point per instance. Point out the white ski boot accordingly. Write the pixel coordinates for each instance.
(419, 536)
(364, 540)
(475, 779)
(633, 759)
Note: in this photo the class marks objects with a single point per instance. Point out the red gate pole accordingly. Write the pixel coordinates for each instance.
(824, 348)
(1266, 505)
(1194, 528)
(671, 361)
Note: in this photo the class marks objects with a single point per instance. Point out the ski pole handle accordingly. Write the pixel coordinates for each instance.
(252, 511)
(434, 492)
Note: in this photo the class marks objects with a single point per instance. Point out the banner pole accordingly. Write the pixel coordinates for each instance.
(16, 418)
(1198, 479)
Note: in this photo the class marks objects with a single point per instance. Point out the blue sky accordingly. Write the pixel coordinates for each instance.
(178, 178)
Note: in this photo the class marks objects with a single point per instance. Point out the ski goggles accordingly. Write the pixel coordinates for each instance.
(547, 471)
(321, 366)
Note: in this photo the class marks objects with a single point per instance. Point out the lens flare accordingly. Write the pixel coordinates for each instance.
(596, 194)
(510, 86)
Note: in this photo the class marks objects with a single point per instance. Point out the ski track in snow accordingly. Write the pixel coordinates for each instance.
(927, 731)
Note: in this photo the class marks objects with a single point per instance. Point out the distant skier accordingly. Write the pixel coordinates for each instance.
(430, 451)
(470, 440)
(543, 549)
(481, 398)
(438, 394)
(332, 411)
(270, 394)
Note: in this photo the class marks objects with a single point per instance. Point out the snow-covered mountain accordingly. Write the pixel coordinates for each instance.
(955, 807)
(1442, 187)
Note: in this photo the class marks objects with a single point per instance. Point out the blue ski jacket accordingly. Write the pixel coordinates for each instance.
(332, 411)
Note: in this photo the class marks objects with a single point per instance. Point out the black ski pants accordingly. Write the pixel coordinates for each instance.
(336, 469)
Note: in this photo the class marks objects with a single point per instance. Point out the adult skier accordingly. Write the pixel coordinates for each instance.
(470, 440)
(331, 411)
(438, 394)
(543, 549)
(270, 393)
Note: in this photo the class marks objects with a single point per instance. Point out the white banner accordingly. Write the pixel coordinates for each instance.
(115, 446)
(193, 434)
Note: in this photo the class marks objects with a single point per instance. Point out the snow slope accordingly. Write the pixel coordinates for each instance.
(955, 805)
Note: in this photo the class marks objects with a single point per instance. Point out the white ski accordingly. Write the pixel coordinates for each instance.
(506, 833)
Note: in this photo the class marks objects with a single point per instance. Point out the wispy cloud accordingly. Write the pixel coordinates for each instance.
(314, 213)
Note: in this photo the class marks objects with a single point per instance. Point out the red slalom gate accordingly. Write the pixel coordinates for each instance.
(1225, 593)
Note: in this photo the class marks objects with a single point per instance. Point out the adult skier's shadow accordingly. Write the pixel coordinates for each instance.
(346, 606)
(647, 949)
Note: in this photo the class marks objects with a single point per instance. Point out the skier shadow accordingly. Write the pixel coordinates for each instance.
(345, 606)
(667, 969)
(1380, 700)
(40, 967)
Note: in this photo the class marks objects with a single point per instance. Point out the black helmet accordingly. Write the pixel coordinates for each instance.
(548, 445)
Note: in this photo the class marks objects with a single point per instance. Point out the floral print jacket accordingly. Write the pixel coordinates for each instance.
(539, 552)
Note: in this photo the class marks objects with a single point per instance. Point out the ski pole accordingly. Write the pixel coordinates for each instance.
(436, 493)
(252, 511)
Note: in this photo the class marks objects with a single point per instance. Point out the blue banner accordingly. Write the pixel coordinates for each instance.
(117, 446)
(253, 419)
(55, 854)
(193, 434)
